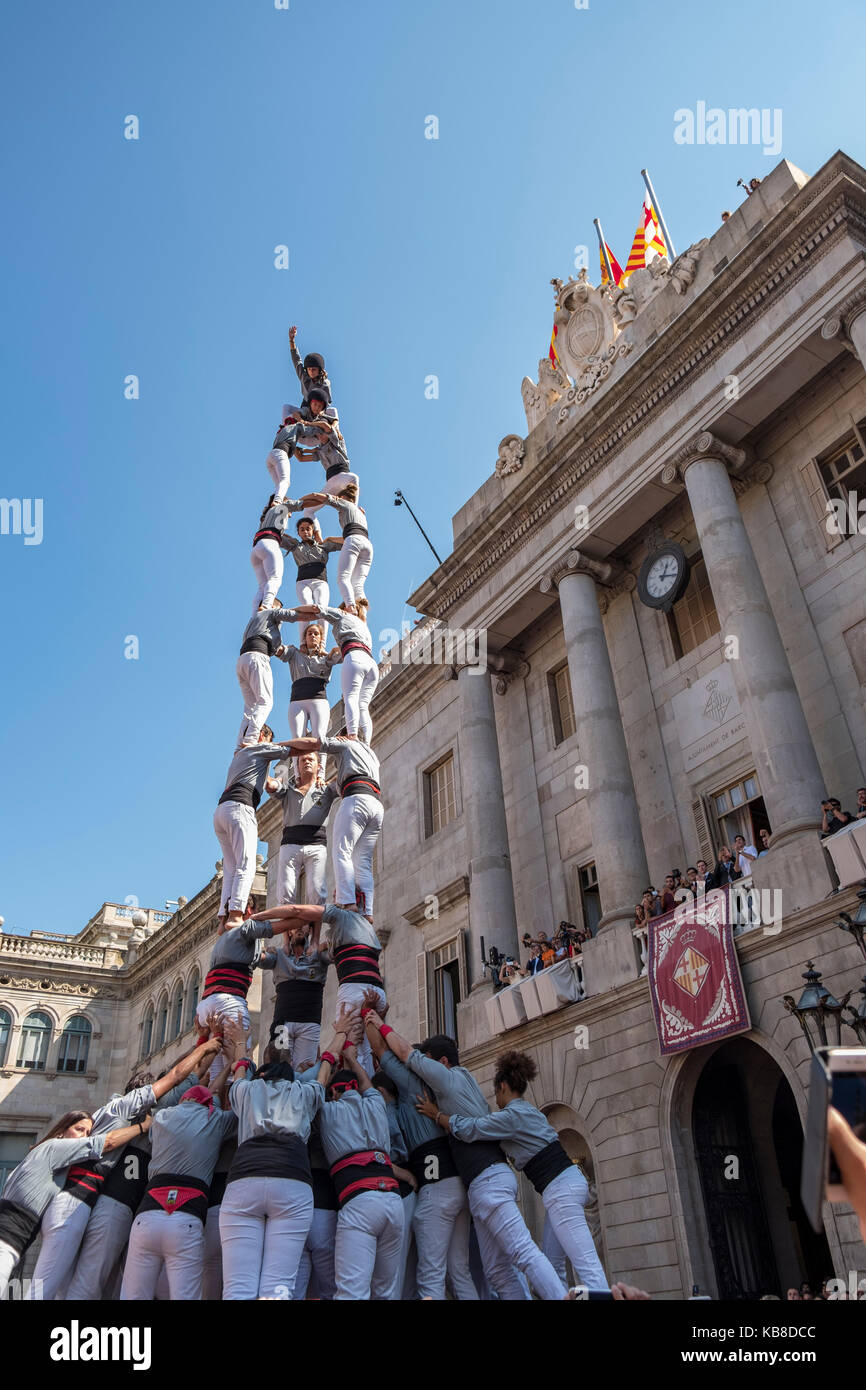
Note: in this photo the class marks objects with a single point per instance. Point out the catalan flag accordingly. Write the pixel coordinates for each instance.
(647, 242)
(553, 354)
(614, 265)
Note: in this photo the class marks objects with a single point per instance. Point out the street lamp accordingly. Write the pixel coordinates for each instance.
(857, 1021)
(400, 501)
(856, 925)
(814, 1008)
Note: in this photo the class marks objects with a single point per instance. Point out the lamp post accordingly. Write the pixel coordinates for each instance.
(857, 1021)
(856, 925)
(400, 501)
(815, 1007)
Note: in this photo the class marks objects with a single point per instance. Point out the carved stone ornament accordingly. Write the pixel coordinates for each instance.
(705, 445)
(685, 267)
(540, 397)
(56, 987)
(510, 458)
(838, 324)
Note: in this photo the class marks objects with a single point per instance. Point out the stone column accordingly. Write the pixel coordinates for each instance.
(491, 893)
(785, 760)
(848, 324)
(617, 842)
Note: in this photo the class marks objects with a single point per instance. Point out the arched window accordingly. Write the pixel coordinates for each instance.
(35, 1037)
(192, 993)
(147, 1032)
(177, 1011)
(161, 1023)
(74, 1045)
(5, 1030)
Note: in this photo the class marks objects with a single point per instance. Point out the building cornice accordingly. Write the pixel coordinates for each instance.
(446, 897)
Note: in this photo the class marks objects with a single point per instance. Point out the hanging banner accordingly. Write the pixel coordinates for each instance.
(694, 974)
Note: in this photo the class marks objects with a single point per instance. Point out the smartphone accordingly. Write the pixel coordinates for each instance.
(838, 1078)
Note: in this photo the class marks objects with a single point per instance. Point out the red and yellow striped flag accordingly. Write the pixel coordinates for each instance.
(647, 242)
(553, 354)
(614, 265)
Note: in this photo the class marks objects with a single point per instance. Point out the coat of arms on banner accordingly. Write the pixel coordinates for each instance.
(694, 975)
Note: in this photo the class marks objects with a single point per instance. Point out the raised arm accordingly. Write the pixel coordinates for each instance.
(351, 1059)
(304, 912)
(392, 1040)
(330, 1057)
(203, 1054)
(118, 1137)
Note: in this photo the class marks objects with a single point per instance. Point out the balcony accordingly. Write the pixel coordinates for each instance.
(32, 949)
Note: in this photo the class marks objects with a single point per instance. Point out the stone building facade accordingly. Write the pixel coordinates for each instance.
(551, 743)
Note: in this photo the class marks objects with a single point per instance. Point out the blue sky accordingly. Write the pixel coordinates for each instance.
(407, 257)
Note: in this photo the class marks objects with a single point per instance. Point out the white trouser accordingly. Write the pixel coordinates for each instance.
(318, 1257)
(237, 830)
(158, 1237)
(442, 1238)
(300, 1040)
(551, 1247)
(267, 561)
(212, 1013)
(264, 1223)
(357, 825)
(317, 711)
(279, 467)
(353, 566)
(312, 860)
(409, 1203)
(212, 1259)
(504, 1240)
(332, 486)
(257, 687)
(63, 1226)
(107, 1233)
(564, 1201)
(311, 591)
(367, 1247)
(352, 995)
(8, 1260)
(359, 676)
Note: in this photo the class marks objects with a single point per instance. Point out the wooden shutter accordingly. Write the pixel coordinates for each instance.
(817, 495)
(421, 967)
(702, 819)
(463, 965)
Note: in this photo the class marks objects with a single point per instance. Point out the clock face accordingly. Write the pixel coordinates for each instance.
(662, 576)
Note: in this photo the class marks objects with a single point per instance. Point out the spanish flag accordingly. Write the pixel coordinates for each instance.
(647, 242)
(614, 265)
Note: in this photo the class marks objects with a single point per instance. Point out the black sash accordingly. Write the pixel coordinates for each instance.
(333, 469)
(298, 1001)
(228, 979)
(257, 644)
(324, 1192)
(304, 835)
(358, 964)
(314, 570)
(309, 688)
(472, 1160)
(354, 528)
(547, 1164)
(272, 1156)
(242, 794)
(358, 785)
(191, 1194)
(269, 534)
(127, 1183)
(432, 1161)
(18, 1225)
(217, 1190)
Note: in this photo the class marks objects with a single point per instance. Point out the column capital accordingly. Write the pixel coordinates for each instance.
(838, 323)
(703, 446)
(573, 562)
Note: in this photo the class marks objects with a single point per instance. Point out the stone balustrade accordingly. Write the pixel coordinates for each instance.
(28, 948)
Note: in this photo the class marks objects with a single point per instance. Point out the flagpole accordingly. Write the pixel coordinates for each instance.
(658, 212)
(602, 243)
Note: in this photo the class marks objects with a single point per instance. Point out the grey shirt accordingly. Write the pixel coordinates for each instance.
(397, 1142)
(456, 1090)
(248, 771)
(303, 664)
(265, 627)
(353, 758)
(277, 518)
(520, 1128)
(237, 946)
(42, 1174)
(418, 1129)
(275, 1107)
(310, 808)
(287, 966)
(321, 382)
(354, 1124)
(331, 451)
(347, 627)
(350, 514)
(310, 552)
(186, 1139)
(346, 928)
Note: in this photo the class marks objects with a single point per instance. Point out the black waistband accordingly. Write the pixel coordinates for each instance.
(217, 1189)
(359, 785)
(357, 964)
(272, 1156)
(324, 1192)
(86, 1180)
(352, 645)
(547, 1164)
(18, 1225)
(268, 534)
(127, 1181)
(309, 688)
(298, 1001)
(193, 1205)
(257, 644)
(242, 794)
(351, 1179)
(316, 569)
(334, 469)
(354, 529)
(228, 979)
(472, 1160)
(432, 1161)
(304, 835)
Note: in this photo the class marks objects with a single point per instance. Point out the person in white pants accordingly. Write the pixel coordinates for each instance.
(227, 982)
(534, 1148)
(40, 1178)
(441, 1216)
(266, 556)
(355, 1137)
(408, 1188)
(356, 552)
(310, 553)
(307, 803)
(300, 985)
(260, 641)
(169, 1228)
(359, 674)
(235, 821)
(317, 1260)
(310, 666)
(503, 1239)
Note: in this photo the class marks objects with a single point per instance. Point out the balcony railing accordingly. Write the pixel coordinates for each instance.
(51, 950)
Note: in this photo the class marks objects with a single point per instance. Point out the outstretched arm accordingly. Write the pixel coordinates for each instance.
(182, 1069)
(393, 1041)
(301, 911)
(364, 1082)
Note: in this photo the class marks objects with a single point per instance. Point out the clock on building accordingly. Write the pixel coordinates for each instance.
(664, 576)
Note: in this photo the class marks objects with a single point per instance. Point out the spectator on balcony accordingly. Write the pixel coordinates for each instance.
(764, 837)
(669, 902)
(706, 876)
(860, 813)
(535, 964)
(744, 854)
(509, 971)
(641, 916)
(692, 881)
(652, 902)
(726, 870)
(833, 818)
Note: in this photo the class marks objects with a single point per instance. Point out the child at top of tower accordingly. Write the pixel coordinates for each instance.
(311, 370)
